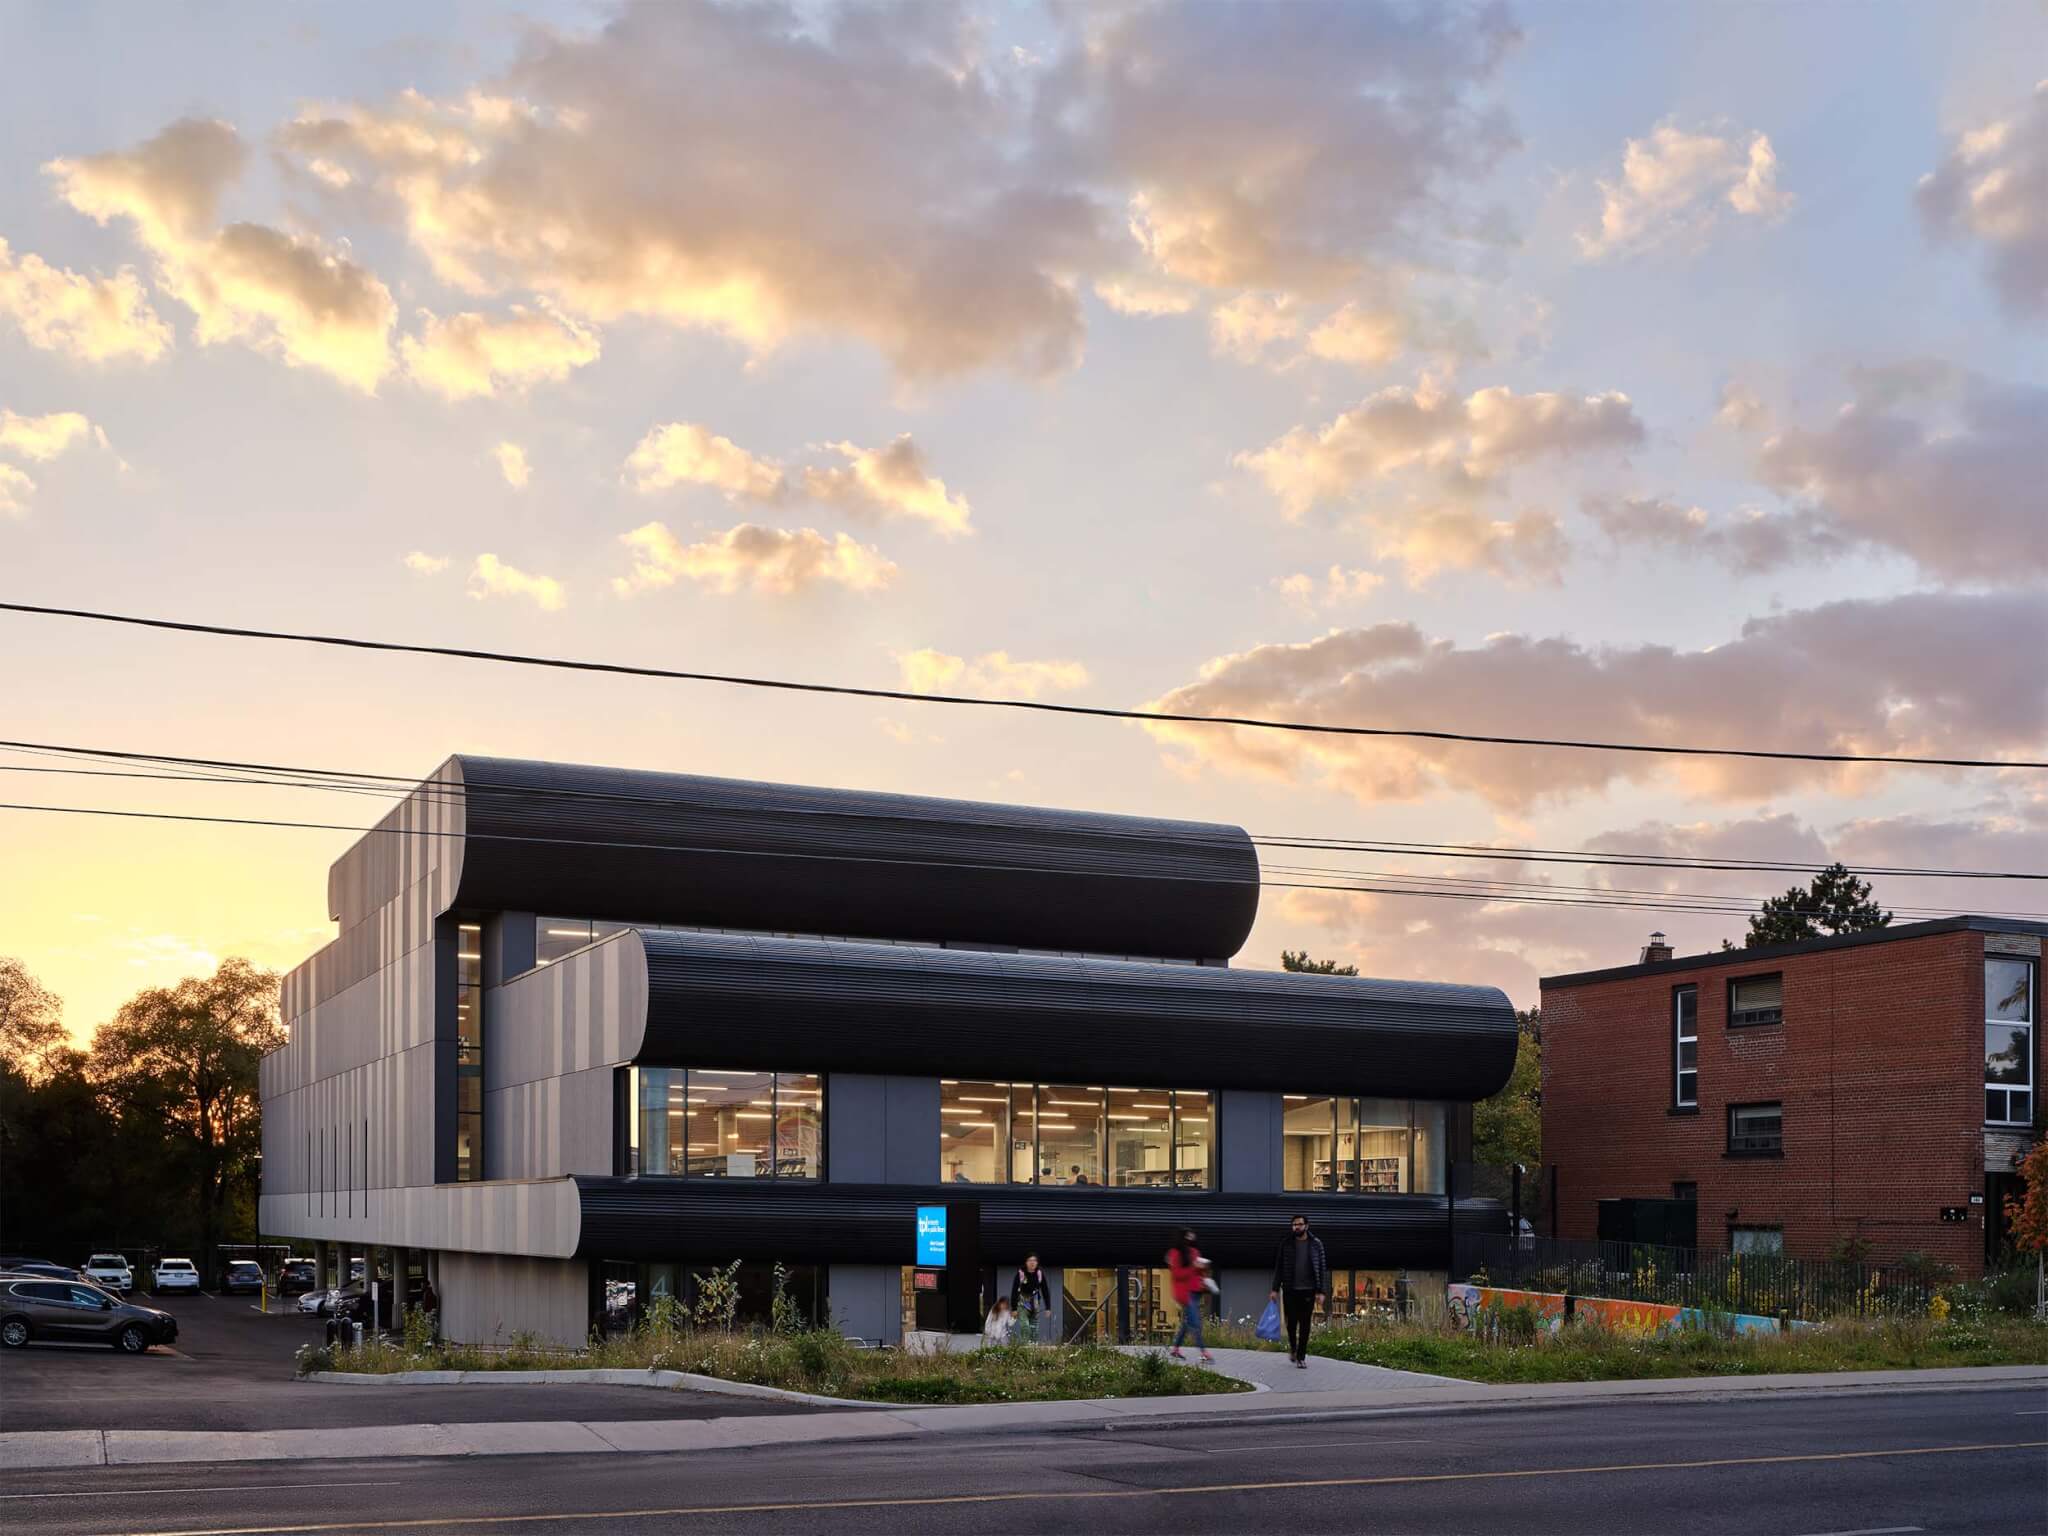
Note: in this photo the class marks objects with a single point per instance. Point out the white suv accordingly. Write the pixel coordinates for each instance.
(175, 1275)
(110, 1270)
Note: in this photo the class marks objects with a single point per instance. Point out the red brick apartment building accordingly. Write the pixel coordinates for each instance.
(1879, 1086)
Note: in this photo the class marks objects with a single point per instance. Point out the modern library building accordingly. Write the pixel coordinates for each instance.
(587, 1034)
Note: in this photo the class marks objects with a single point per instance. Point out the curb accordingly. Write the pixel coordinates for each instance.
(593, 1377)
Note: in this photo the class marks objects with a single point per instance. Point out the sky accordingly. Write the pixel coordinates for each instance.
(1643, 373)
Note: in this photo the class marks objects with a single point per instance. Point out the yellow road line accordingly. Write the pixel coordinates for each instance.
(1049, 1495)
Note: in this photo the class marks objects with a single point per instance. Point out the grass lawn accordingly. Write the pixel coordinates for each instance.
(1586, 1352)
(821, 1362)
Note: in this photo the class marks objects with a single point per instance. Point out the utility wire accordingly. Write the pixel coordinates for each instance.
(392, 786)
(904, 696)
(1732, 907)
(1475, 885)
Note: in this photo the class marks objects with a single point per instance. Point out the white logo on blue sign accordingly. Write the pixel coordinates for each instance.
(931, 1234)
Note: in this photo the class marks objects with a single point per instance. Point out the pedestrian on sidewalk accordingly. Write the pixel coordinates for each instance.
(1184, 1262)
(1301, 1279)
(1030, 1297)
(1000, 1327)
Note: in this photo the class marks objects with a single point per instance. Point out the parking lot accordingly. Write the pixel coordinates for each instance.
(231, 1369)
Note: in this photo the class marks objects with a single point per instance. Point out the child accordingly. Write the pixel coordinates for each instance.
(1001, 1326)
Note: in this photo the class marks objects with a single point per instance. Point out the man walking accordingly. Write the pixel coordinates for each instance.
(1301, 1279)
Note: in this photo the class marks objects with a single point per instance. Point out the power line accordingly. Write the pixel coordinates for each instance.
(904, 696)
(1477, 884)
(1730, 907)
(451, 793)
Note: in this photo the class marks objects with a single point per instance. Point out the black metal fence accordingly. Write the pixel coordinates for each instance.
(1765, 1284)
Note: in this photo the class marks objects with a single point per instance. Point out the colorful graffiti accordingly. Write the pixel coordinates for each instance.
(1467, 1302)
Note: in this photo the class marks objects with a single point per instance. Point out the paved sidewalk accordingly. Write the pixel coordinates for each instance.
(1271, 1371)
(127, 1447)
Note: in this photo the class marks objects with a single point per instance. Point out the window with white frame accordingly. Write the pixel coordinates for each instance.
(1685, 1047)
(2009, 1004)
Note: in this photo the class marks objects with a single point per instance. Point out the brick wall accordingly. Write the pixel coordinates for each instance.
(1879, 1067)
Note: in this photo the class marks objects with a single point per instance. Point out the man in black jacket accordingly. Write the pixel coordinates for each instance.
(1301, 1279)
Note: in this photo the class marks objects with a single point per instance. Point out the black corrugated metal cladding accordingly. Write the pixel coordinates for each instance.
(713, 1220)
(718, 1000)
(729, 853)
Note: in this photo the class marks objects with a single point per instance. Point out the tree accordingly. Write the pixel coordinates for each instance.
(2028, 1213)
(1508, 1127)
(188, 1054)
(31, 1020)
(1836, 902)
(1298, 960)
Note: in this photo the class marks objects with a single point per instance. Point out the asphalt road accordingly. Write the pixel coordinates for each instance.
(231, 1369)
(1943, 1463)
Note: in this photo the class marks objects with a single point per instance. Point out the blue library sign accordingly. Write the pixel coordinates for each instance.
(931, 1234)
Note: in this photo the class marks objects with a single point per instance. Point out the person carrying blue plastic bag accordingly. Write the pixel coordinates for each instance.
(1269, 1324)
(1301, 1279)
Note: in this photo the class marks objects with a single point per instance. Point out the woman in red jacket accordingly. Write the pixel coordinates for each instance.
(1189, 1269)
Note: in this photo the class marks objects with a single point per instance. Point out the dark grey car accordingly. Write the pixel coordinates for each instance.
(72, 1312)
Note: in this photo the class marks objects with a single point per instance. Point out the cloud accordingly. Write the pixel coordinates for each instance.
(769, 173)
(471, 355)
(512, 465)
(1740, 409)
(774, 562)
(991, 674)
(1247, 325)
(1673, 185)
(1137, 296)
(888, 482)
(1275, 148)
(683, 453)
(747, 171)
(1945, 469)
(282, 294)
(420, 563)
(1528, 547)
(42, 438)
(1512, 944)
(1361, 335)
(93, 319)
(1992, 187)
(892, 481)
(1471, 440)
(1337, 587)
(1753, 543)
(15, 489)
(491, 577)
(1923, 674)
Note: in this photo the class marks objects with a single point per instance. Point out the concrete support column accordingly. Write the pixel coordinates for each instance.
(401, 1260)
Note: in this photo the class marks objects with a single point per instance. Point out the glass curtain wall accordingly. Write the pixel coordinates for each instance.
(1080, 1135)
(1342, 1144)
(706, 1124)
(469, 1051)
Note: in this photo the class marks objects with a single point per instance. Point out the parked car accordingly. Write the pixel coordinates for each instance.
(242, 1275)
(75, 1312)
(296, 1275)
(319, 1302)
(110, 1271)
(42, 1267)
(174, 1275)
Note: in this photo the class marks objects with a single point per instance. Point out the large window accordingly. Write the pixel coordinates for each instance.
(2009, 992)
(1756, 1130)
(705, 1124)
(1756, 1000)
(469, 1052)
(1374, 1146)
(1685, 1032)
(1081, 1135)
(555, 937)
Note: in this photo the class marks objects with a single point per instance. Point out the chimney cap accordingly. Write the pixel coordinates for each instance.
(1656, 933)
